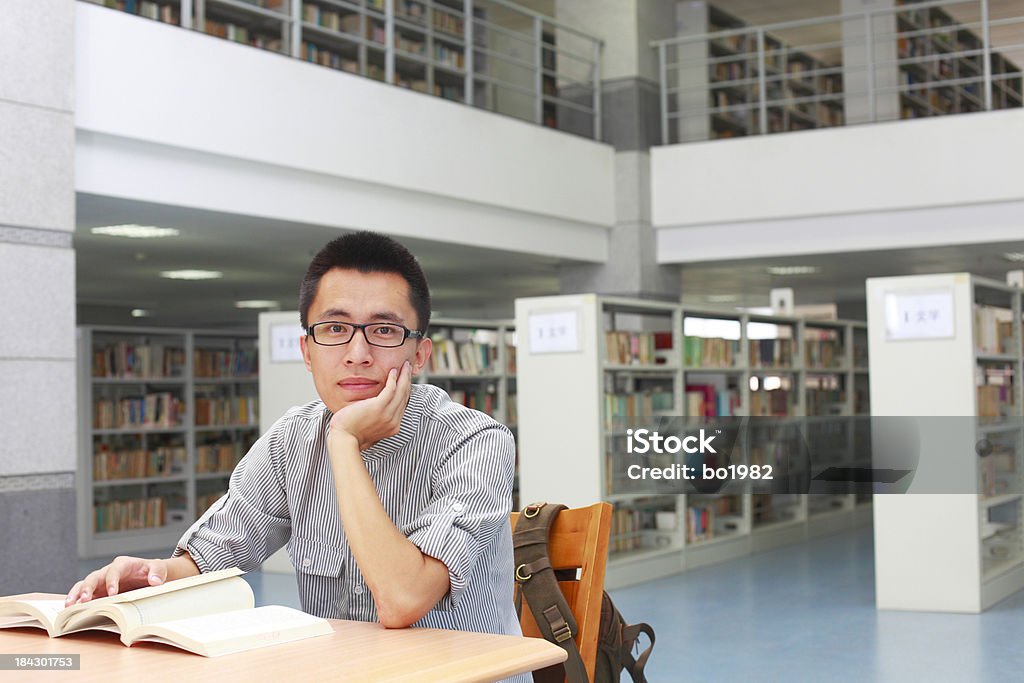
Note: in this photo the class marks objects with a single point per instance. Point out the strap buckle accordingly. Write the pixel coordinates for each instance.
(562, 633)
(519, 574)
(532, 510)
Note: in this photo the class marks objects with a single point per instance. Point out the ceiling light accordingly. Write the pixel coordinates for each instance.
(722, 298)
(140, 313)
(793, 270)
(258, 303)
(139, 232)
(192, 274)
(1015, 256)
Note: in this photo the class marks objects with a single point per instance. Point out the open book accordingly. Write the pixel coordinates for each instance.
(210, 614)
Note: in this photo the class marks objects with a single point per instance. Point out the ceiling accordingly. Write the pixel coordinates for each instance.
(260, 259)
(265, 259)
(841, 276)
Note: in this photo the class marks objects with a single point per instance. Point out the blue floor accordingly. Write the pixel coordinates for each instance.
(801, 613)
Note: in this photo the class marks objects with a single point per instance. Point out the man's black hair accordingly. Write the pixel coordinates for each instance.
(367, 252)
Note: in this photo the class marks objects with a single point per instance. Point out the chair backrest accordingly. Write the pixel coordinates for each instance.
(578, 541)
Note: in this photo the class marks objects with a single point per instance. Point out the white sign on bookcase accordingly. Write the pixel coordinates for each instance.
(555, 332)
(918, 314)
(284, 343)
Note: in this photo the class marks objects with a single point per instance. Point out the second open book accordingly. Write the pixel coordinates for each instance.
(210, 614)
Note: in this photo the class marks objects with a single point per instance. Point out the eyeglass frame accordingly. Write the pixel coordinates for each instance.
(415, 334)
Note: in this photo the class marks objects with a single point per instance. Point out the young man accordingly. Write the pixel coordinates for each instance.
(393, 501)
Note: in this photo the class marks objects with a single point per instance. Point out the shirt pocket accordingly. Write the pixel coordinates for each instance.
(316, 558)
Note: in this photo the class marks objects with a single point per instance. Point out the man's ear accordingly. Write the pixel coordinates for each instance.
(419, 361)
(304, 344)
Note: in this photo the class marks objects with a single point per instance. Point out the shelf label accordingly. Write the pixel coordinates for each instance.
(555, 332)
(919, 314)
(284, 343)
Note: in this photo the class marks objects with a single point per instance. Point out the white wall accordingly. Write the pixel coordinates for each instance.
(945, 180)
(175, 116)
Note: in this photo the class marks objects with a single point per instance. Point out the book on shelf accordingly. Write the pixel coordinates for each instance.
(161, 409)
(995, 400)
(636, 405)
(634, 348)
(710, 352)
(771, 353)
(993, 330)
(137, 463)
(219, 457)
(226, 410)
(996, 470)
(210, 614)
(700, 523)
(138, 513)
(466, 358)
(707, 400)
(235, 363)
(124, 360)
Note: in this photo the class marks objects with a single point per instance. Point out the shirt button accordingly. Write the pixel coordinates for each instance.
(306, 562)
(457, 507)
(358, 590)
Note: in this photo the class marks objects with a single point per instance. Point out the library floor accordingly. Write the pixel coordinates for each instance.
(801, 613)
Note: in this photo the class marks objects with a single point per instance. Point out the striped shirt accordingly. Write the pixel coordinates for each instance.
(445, 481)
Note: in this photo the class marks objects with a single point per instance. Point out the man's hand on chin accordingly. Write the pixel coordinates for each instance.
(372, 419)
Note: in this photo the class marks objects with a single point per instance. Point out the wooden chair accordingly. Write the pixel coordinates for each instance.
(578, 541)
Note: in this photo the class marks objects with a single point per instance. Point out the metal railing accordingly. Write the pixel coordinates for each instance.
(490, 54)
(916, 59)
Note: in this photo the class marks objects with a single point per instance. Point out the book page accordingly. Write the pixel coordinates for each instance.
(96, 605)
(228, 594)
(35, 613)
(237, 631)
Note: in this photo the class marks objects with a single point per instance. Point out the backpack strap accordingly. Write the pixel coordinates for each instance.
(538, 582)
(635, 667)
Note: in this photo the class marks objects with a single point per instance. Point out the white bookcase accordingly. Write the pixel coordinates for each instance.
(613, 357)
(164, 417)
(951, 357)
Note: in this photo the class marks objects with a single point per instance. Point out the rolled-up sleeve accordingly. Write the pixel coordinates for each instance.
(473, 485)
(248, 523)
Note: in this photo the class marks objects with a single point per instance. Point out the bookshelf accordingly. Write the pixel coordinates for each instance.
(164, 417)
(719, 91)
(940, 64)
(166, 11)
(475, 362)
(428, 39)
(950, 355)
(635, 364)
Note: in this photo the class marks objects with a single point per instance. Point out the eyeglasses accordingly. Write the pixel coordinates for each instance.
(387, 335)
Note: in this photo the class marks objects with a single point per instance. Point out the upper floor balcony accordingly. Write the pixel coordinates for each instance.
(725, 79)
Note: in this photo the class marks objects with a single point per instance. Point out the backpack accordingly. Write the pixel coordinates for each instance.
(539, 583)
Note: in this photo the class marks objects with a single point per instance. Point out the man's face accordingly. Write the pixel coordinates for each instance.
(357, 370)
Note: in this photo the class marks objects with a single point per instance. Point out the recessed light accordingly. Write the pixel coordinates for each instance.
(722, 298)
(138, 232)
(192, 274)
(140, 313)
(793, 270)
(1014, 256)
(257, 303)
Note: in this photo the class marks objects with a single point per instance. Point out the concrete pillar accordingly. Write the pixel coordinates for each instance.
(631, 123)
(38, 398)
(860, 82)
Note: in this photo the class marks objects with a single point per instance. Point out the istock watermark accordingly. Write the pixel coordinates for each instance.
(828, 454)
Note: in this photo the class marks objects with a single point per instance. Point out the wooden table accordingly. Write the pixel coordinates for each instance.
(356, 651)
